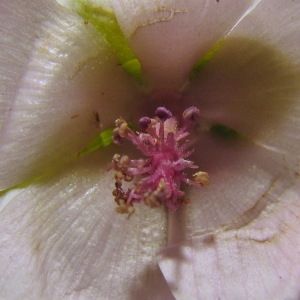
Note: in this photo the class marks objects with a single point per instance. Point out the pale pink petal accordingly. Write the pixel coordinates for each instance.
(276, 23)
(258, 261)
(56, 72)
(252, 83)
(62, 239)
(253, 88)
(72, 4)
(169, 36)
(244, 180)
(239, 239)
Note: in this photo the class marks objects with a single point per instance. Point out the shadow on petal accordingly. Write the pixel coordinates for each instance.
(252, 88)
(259, 261)
(158, 289)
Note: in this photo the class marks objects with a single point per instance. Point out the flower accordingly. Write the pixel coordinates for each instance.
(61, 84)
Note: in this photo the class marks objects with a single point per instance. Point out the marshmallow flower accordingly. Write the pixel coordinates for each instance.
(64, 82)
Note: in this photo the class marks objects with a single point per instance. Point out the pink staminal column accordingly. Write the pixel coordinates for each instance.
(159, 174)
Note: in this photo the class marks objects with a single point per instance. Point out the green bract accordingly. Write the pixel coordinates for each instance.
(104, 139)
(107, 25)
(226, 132)
(205, 59)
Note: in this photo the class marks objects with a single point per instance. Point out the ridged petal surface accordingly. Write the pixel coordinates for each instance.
(62, 239)
(56, 73)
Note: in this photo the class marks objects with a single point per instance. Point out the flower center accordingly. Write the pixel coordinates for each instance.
(159, 174)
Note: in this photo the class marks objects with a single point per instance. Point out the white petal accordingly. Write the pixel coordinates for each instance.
(244, 229)
(170, 36)
(254, 88)
(62, 239)
(71, 4)
(269, 40)
(259, 261)
(244, 180)
(276, 23)
(56, 72)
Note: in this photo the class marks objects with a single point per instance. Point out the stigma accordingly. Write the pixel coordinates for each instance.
(157, 178)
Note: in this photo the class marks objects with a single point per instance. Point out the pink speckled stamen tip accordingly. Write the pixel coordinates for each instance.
(159, 174)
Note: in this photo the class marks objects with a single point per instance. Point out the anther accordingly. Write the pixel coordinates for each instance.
(117, 139)
(191, 114)
(144, 122)
(163, 113)
(124, 161)
(123, 130)
(202, 178)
